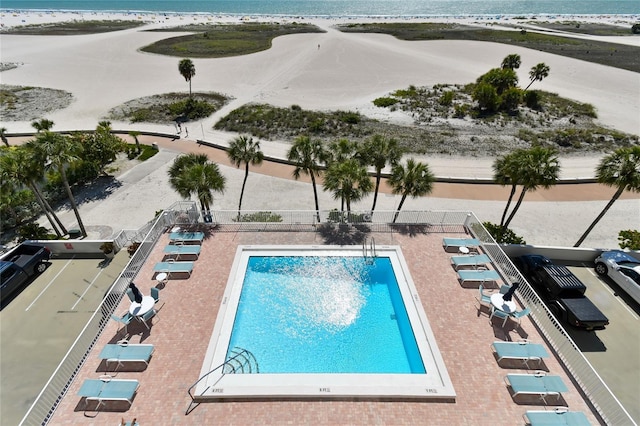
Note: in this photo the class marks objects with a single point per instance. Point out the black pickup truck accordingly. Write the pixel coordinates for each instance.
(562, 291)
(19, 265)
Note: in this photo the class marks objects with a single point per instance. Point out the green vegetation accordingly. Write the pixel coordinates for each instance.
(629, 239)
(168, 107)
(432, 132)
(591, 28)
(15, 100)
(615, 55)
(269, 122)
(259, 217)
(218, 41)
(73, 28)
(503, 235)
(619, 170)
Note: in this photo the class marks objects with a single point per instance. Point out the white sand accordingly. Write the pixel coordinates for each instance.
(347, 72)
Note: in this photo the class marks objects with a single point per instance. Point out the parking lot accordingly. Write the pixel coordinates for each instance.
(41, 323)
(615, 351)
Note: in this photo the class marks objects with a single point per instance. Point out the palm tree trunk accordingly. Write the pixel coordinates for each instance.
(504, 214)
(395, 217)
(49, 218)
(526, 88)
(315, 195)
(515, 209)
(72, 200)
(189, 87)
(48, 207)
(244, 182)
(375, 193)
(602, 213)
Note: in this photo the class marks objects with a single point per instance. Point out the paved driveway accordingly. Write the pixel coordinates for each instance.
(39, 325)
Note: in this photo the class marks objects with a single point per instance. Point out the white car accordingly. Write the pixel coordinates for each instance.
(623, 269)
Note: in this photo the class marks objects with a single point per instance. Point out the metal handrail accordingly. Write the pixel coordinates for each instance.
(193, 404)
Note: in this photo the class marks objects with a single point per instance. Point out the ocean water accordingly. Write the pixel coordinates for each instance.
(337, 8)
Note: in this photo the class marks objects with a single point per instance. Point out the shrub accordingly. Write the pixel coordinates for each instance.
(191, 108)
(349, 117)
(511, 99)
(33, 231)
(447, 98)
(384, 102)
(460, 111)
(629, 239)
(503, 236)
(259, 217)
(486, 96)
(532, 99)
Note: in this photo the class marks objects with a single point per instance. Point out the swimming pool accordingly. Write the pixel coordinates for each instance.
(321, 321)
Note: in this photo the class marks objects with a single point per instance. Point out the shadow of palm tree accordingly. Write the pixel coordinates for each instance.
(343, 234)
(99, 189)
(411, 230)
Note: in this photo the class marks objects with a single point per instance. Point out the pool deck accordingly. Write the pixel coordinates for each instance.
(183, 327)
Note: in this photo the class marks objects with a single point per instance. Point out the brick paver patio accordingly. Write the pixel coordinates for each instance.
(182, 329)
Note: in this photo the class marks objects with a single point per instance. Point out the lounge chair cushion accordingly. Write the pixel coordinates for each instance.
(103, 390)
(559, 417)
(524, 351)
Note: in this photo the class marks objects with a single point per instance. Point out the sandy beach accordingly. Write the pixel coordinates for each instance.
(347, 72)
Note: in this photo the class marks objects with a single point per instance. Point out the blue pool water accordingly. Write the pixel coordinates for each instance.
(324, 315)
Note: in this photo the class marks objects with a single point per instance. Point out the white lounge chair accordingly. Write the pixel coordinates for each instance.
(476, 275)
(536, 384)
(478, 260)
(456, 243)
(559, 417)
(123, 351)
(521, 351)
(108, 389)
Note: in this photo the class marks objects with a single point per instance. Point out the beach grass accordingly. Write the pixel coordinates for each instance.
(218, 41)
(571, 131)
(614, 55)
(73, 27)
(169, 107)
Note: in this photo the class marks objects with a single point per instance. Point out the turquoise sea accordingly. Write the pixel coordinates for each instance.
(336, 8)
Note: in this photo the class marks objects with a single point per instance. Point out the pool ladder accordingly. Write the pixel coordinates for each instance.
(239, 361)
(369, 251)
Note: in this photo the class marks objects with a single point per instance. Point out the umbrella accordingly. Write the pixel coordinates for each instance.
(509, 293)
(136, 293)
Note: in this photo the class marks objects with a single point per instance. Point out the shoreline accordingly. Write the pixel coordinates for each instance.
(148, 16)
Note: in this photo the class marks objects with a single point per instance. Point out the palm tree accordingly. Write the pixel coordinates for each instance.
(134, 134)
(348, 180)
(3, 136)
(505, 172)
(538, 72)
(415, 180)
(42, 125)
(538, 167)
(340, 151)
(511, 61)
(621, 169)
(15, 169)
(379, 152)
(244, 150)
(18, 166)
(308, 155)
(61, 150)
(187, 70)
(195, 174)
